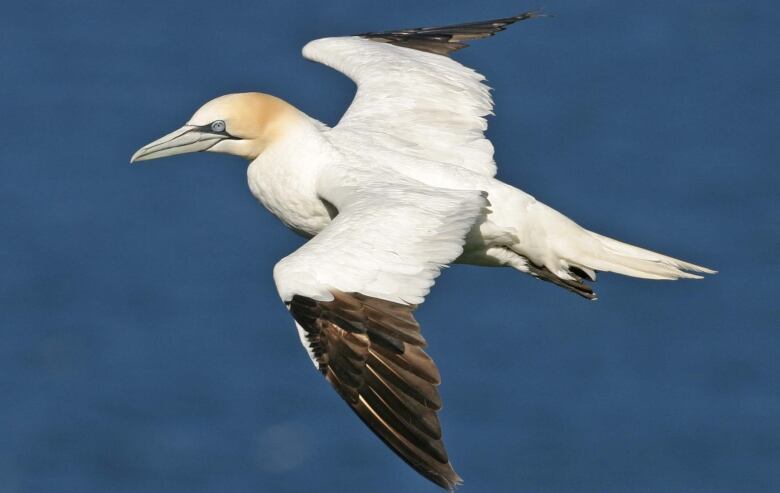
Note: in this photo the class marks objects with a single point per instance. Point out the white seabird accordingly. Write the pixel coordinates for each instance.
(401, 187)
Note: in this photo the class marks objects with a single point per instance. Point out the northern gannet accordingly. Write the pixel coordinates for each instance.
(403, 185)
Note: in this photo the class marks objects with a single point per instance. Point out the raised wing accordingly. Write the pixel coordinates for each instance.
(413, 99)
(352, 290)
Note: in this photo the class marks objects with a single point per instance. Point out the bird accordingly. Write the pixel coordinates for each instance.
(401, 187)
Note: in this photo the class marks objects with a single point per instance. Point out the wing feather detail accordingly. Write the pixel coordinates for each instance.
(445, 40)
(411, 100)
(418, 105)
(389, 241)
(352, 290)
(391, 386)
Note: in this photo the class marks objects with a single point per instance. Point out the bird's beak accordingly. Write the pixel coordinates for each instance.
(188, 138)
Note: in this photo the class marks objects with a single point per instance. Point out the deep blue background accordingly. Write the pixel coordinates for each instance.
(144, 348)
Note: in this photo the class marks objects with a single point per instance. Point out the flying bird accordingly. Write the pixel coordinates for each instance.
(402, 186)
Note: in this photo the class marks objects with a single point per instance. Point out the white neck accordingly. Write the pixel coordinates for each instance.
(284, 177)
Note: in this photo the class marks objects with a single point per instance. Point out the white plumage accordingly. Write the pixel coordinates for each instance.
(388, 241)
(402, 186)
(413, 133)
(415, 104)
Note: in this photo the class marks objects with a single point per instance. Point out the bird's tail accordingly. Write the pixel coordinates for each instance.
(560, 251)
(629, 260)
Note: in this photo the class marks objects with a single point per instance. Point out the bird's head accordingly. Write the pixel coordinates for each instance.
(240, 124)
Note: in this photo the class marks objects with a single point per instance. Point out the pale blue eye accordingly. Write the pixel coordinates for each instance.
(218, 126)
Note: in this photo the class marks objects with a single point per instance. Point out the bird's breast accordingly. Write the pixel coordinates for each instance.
(289, 193)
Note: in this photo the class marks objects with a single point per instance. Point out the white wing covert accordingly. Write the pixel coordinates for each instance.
(389, 240)
(411, 97)
(352, 289)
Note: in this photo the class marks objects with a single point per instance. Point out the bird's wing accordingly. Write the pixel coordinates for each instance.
(352, 289)
(411, 97)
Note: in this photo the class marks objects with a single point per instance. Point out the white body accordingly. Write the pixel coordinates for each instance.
(417, 121)
(402, 186)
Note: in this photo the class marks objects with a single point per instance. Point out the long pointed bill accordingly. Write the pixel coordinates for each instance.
(186, 139)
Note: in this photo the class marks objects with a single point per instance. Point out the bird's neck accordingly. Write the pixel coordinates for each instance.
(293, 134)
(284, 176)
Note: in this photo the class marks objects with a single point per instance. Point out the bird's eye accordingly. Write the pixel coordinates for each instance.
(218, 126)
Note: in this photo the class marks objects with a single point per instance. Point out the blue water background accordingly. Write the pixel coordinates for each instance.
(143, 347)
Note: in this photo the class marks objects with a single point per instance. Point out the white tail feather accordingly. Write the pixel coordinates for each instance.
(622, 258)
(566, 250)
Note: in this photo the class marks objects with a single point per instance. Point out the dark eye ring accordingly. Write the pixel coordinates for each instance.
(218, 126)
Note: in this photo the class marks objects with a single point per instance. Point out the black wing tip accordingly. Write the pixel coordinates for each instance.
(453, 481)
(444, 40)
(531, 14)
(440, 473)
(450, 482)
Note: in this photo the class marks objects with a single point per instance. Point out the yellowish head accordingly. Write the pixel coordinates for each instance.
(241, 124)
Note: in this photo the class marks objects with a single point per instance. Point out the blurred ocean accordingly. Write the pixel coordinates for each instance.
(144, 347)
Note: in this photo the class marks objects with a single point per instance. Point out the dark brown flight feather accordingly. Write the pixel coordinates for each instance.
(370, 350)
(447, 39)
